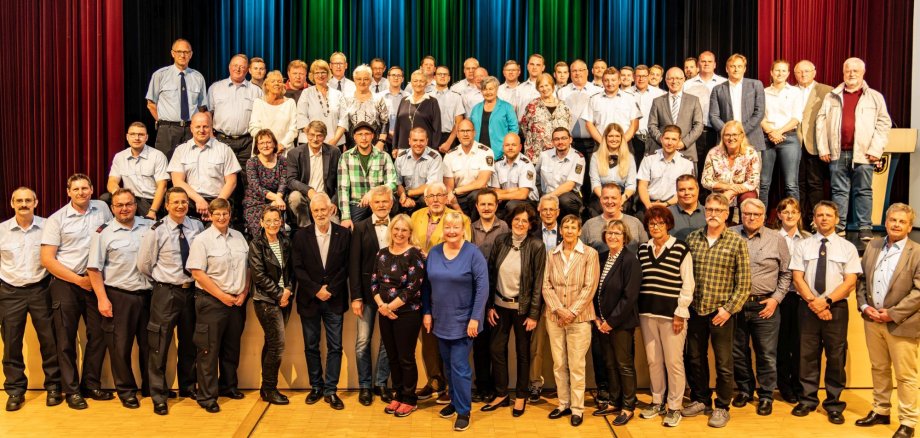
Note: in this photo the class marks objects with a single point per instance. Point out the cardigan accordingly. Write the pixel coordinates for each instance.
(502, 122)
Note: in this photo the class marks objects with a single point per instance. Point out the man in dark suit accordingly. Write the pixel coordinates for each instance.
(676, 108)
(369, 236)
(814, 171)
(320, 269)
(302, 183)
(888, 296)
(739, 99)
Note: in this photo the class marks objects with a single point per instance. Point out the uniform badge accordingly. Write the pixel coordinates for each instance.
(489, 160)
(530, 175)
(579, 168)
(101, 227)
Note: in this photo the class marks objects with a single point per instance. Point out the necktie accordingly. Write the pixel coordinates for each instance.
(339, 86)
(821, 269)
(183, 249)
(377, 88)
(183, 98)
(674, 109)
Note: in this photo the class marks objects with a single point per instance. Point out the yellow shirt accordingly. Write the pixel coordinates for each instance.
(420, 222)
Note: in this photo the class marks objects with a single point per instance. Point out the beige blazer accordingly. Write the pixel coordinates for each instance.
(812, 105)
(903, 298)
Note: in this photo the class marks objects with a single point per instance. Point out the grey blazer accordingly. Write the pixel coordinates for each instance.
(689, 119)
(753, 107)
(903, 297)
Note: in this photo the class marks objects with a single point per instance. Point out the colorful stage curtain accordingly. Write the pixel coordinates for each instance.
(62, 100)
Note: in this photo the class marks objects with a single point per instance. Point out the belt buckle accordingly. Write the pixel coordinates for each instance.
(187, 285)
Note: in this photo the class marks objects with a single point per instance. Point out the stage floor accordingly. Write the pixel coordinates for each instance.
(253, 417)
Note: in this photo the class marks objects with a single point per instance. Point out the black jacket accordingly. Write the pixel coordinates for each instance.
(618, 299)
(362, 260)
(310, 274)
(297, 170)
(533, 262)
(266, 271)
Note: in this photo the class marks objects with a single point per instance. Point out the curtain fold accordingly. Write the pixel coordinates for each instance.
(62, 96)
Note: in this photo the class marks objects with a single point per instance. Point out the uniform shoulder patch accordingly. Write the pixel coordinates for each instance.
(102, 227)
(402, 152)
(579, 168)
(432, 154)
(484, 147)
(524, 159)
(578, 153)
(490, 160)
(156, 224)
(530, 175)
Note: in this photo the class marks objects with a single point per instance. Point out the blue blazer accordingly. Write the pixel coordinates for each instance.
(503, 121)
(753, 107)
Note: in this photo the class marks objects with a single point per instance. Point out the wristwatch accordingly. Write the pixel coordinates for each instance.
(828, 300)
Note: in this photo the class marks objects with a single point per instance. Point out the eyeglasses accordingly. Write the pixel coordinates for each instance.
(125, 205)
(751, 214)
(731, 135)
(548, 210)
(657, 225)
(182, 52)
(615, 233)
(272, 221)
(716, 210)
(437, 196)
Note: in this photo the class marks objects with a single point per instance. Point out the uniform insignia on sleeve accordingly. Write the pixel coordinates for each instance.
(402, 152)
(524, 159)
(579, 168)
(530, 175)
(484, 147)
(156, 224)
(579, 153)
(432, 154)
(101, 227)
(489, 160)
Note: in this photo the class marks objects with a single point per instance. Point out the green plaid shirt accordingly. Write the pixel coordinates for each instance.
(722, 272)
(354, 182)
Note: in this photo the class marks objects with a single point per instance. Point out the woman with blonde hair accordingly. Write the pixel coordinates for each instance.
(612, 162)
(732, 168)
(541, 116)
(275, 113)
(320, 102)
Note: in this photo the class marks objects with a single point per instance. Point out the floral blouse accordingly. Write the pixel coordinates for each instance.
(538, 123)
(745, 171)
(373, 111)
(399, 276)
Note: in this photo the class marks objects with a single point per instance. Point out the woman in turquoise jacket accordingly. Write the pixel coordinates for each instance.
(496, 114)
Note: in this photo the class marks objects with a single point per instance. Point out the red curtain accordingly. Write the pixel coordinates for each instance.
(62, 95)
(827, 32)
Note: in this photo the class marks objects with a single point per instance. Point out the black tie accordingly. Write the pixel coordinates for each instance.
(183, 249)
(377, 88)
(821, 269)
(340, 85)
(183, 98)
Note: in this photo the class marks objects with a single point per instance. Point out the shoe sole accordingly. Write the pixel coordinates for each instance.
(404, 414)
(666, 424)
(452, 415)
(460, 429)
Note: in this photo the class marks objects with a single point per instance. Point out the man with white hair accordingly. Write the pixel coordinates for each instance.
(851, 132)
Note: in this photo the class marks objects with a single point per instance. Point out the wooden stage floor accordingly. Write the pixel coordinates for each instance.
(253, 417)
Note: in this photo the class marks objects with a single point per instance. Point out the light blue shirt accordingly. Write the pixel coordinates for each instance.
(204, 167)
(159, 256)
(164, 89)
(613, 175)
(113, 252)
(413, 173)
(884, 269)
(520, 173)
(555, 171)
(20, 249)
(550, 237)
(232, 105)
(70, 232)
(141, 173)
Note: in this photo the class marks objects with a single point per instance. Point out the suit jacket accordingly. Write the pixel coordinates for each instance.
(812, 105)
(297, 171)
(753, 107)
(689, 119)
(311, 275)
(903, 298)
(361, 261)
(618, 303)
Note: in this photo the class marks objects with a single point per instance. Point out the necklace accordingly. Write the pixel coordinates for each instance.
(323, 102)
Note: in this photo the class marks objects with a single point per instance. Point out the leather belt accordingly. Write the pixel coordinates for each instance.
(127, 292)
(171, 123)
(231, 137)
(42, 282)
(178, 286)
(507, 300)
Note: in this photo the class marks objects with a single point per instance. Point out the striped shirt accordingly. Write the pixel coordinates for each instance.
(570, 283)
(722, 271)
(667, 279)
(276, 249)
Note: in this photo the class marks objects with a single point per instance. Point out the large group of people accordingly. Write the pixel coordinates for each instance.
(567, 213)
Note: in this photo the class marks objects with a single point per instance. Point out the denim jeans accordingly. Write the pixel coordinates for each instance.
(847, 176)
(311, 333)
(750, 328)
(788, 153)
(365, 333)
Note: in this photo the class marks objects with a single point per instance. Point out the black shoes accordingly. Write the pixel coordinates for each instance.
(334, 401)
(608, 409)
(234, 394)
(494, 406)
(789, 397)
(741, 400)
(313, 397)
(160, 408)
(98, 394)
(14, 403)
(365, 397)
(801, 410)
(130, 402)
(54, 397)
(385, 395)
(76, 401)
(191, 393)
(764, 407)
(212, 407)
(904, 432)
(534, 395)
(623, 418)
(835, 417)
(872, 419)
(272, 396)
(447, 411)
(518, 412)
(576, 420)
(559, 413)
(425, 393)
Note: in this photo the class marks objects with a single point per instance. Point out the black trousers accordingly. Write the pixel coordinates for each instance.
(15, 304)
(171, 307)
(570, 203)
(467, 203)
(230, 356)
(787, 348)
(169, 136)
(482, 360)
(217, 336)
(130, 315)
(399, 337)
(699, 332)
(708, 140)
(598, 360)
(831, 337)
(272, 318)
(813, 173)
(69, 303)
(586, 146)
(509, 321)
(619, 348)
(242, 148)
